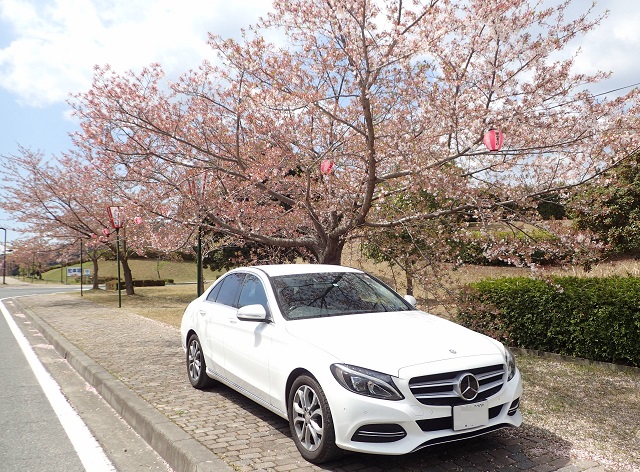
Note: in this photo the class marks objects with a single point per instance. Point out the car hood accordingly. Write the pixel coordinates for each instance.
(388, 342)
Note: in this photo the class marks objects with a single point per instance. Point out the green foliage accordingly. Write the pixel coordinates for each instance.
(611, 207)
(592, 318)
(551, 207)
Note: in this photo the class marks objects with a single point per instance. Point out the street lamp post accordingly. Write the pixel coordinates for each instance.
(116, 218)
(199, 262)
(197, 190)
(4, 257)
(81, 269)
(117, 222)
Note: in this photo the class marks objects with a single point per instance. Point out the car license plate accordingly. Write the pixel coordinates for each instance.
(470, 416)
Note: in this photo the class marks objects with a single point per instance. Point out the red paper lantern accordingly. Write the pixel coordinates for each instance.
(326, 166)
(493, 139)
(105, 231)
(116, 216)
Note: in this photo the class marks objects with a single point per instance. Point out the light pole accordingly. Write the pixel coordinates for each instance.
(197, 191)
(199, 262)
(81, 269)
(4, 257)
(116, 218)
(117, 222)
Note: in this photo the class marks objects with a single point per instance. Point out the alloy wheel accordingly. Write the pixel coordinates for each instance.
(308, 419)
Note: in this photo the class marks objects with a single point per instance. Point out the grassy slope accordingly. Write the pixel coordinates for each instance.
(141, 269)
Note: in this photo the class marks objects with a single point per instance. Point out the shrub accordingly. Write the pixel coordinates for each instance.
(149, 283)
(593, 318)
(113, 284)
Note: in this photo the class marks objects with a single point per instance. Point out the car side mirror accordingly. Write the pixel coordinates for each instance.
(411, 299)
(252, 313)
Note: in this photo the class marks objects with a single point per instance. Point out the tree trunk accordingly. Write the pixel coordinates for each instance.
(331, 253)
(94, 260)
(128, 278)
(409, 274)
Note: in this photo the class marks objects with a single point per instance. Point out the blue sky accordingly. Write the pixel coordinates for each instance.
(48, 49)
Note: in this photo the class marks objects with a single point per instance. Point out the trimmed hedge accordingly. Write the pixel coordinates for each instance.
(592, 318)
(113, 284)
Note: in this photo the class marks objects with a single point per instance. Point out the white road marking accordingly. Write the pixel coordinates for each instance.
(87, 447)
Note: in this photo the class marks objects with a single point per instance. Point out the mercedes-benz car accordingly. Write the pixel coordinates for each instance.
(351, 364)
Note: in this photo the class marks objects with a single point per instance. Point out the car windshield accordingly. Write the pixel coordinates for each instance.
(332, 294)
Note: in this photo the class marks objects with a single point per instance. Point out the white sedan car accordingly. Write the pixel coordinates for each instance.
(347, 361)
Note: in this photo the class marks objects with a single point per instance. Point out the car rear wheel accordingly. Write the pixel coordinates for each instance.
(196, 365)
(311, 422)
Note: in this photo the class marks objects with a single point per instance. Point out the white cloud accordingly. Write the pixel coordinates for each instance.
(48, 48)
(55, 44)
(613, 45)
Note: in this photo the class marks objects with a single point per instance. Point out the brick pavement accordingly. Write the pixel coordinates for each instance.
(237, 434)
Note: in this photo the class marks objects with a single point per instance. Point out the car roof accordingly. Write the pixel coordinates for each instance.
(289, 269)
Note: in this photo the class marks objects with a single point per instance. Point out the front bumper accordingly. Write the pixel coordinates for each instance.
(375, 426)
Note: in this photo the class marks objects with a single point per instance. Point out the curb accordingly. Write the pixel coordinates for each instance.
(181, 451)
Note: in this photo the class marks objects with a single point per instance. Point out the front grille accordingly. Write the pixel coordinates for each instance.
(440, 389)
(379, 433)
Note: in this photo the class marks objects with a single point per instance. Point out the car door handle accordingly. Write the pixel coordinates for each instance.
(202, 312)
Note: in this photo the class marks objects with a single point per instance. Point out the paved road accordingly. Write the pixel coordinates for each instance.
(45, 407)
(32, 434)
(137, 364)
(17, 289)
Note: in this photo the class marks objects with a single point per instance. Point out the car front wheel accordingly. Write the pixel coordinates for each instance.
(196, 365)
(311, 422)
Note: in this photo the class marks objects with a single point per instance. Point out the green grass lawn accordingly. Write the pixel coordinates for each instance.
(165, 304)
(141, 269)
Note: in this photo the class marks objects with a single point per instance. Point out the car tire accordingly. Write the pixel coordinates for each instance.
(196, 365)
(311, 422)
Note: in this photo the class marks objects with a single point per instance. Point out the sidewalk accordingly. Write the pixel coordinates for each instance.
(138, 366)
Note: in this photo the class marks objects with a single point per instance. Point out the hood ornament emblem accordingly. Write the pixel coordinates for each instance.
(453, 351)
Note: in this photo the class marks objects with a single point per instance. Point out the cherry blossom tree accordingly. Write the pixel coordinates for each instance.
(61, 200)
(389, 97)
(50, 203)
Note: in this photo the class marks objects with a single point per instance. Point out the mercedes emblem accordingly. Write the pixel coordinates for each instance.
(468, 387)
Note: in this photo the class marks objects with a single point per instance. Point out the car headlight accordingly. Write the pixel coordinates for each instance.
(510, 360)
(366, 382)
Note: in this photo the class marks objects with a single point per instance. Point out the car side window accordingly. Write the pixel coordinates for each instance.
(252, 292)
(213, 294)
(229, 290)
